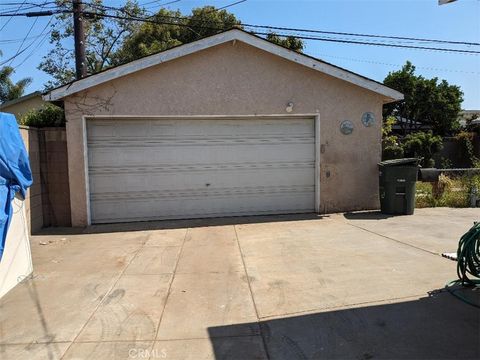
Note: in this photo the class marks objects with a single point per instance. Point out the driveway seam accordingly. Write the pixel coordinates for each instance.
(169, 288)
(398, 241)
(265, 348)
(105, 296)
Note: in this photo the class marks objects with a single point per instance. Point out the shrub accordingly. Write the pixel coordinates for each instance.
(48, 115)
(392, 152)
(423, 145)
(466, 139)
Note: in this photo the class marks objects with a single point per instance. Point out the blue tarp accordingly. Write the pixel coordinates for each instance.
(15, 173)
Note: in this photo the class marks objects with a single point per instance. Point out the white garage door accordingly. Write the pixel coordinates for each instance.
(189, 168)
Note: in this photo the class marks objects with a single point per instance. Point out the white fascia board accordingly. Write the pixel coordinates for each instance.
(214, 40)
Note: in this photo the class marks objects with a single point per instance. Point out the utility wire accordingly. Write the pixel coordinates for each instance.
(361, 35)
(305, 37)
(302, 30)
(157, 1)
(393, 65)
(6, 23)
(154, 21)
(227, 6)
(12, 41)
(40, 43)
(322, 31)
(24, 39)
(378, 44)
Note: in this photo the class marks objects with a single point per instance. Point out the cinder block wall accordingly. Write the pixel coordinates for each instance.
(48, 199)
(33, 201)
(54, 173)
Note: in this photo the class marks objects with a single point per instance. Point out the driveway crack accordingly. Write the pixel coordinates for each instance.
(264, 341)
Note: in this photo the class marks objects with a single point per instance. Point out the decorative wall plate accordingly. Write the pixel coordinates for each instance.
(346, 127)
(368, 119)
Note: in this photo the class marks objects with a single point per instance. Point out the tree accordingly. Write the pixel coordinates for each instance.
(427, 101)
(103, 37)
(149, 38)
(111, 42)
(10, 90)
(290, 42)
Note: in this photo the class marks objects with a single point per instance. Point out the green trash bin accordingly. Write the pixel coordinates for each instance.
(397, 186)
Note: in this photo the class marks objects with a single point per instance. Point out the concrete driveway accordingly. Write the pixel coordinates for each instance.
(359, 286)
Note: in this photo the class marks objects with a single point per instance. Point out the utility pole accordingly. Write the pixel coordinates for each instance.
(79, 37)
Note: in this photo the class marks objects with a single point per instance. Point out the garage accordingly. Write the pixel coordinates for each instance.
(229, 125)
(151, 169)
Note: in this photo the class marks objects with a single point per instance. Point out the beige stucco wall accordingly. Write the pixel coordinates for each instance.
(237, 79)
(21, 108)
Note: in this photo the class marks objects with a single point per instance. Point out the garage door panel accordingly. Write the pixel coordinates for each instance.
(200, 154)
(184, 168)
(112, 130)
(173, 208)
(198, 179)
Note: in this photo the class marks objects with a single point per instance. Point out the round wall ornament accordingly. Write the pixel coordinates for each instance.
(368, 119)
(346, 127)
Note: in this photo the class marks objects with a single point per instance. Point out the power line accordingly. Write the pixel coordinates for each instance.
(302, 30)
(230, 5)
(12, 41)
(395, 65)
(6, 23)
(378, 44)
(304, 37)
(157, 1)
(361, 35)
(24, 39)
(132, 18)
(325, 32)
(40, 43)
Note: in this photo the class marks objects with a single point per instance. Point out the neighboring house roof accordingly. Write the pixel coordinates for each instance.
(20, 99)
(214, 40)
(402, 120)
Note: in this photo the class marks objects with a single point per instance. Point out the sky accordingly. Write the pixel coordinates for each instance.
(458, 21)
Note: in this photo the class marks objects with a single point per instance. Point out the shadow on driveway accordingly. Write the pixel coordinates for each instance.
(435, 327)
(367, 215)
(179, 224)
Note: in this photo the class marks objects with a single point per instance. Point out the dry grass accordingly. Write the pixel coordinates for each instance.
(449, 192)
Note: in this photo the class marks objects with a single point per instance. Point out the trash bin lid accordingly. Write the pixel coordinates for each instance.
(400, 162)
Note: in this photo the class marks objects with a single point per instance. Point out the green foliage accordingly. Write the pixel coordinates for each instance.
(10, 90)
(427, 101)
(471, 182)
(466, 139)
(423, 195)
(391, 148)
(392, 152)
(446, 163)
(48, 115)
(111, 42)
(423, 145)
(290, 42)
(455, 195)
(103, 38)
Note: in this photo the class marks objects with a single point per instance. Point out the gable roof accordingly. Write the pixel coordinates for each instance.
(214, 40)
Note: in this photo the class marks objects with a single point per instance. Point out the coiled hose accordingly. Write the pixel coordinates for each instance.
(468, 262)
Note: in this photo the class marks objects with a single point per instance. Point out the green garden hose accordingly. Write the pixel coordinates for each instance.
(468, 262)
